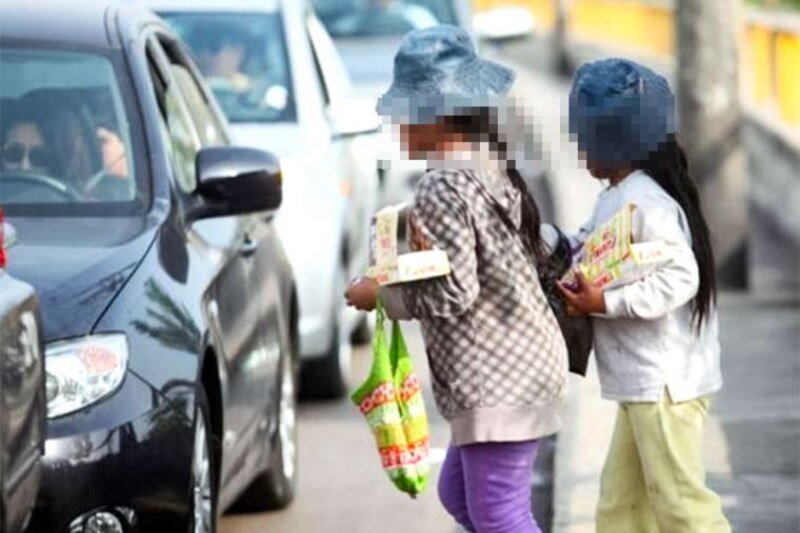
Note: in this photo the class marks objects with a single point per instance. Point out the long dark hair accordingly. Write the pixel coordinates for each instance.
(479, 124)
(668, 166)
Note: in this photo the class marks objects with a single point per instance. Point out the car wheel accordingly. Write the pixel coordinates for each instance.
(275, 487)
(362, 335)
(326, 377)
(203, 497)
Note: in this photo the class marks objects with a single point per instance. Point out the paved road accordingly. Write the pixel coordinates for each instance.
(342, 487)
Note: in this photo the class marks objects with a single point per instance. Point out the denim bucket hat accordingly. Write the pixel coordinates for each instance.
(438, 73)
(620, 111)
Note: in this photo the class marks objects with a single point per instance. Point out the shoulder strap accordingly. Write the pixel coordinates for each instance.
(562, 250)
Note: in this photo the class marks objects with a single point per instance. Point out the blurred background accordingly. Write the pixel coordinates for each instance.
(299, 79)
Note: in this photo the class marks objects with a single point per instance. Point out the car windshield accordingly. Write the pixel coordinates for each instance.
(243, 57)
(66, 139)
(374, 18)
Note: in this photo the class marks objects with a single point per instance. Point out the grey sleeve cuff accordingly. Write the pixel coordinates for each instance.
(394, 303)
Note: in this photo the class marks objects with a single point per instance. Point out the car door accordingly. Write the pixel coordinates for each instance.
(359, 180)
(261, 252)
(224, 242)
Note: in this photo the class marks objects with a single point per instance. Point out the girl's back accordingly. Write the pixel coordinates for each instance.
(489, 320)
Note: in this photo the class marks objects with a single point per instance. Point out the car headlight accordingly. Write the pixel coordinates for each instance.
(83, 371)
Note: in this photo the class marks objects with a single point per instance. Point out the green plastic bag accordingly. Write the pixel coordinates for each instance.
(391, 401)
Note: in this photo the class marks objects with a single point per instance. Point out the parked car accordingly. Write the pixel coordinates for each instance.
(22, 416)
(168, 305)
(282, 85)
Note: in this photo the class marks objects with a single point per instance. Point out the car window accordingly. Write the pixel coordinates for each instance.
(243, 56)
(329, 64)
(64, 133)
(178, 132)
(206, 122)
(349, 18)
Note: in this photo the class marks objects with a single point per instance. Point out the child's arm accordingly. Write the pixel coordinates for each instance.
(443, 219)
(671, 286)
(549, 233)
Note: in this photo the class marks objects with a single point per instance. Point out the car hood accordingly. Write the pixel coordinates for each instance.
(282, 139)
(77, 266)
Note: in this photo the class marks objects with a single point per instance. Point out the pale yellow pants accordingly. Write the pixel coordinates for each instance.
(653, 480)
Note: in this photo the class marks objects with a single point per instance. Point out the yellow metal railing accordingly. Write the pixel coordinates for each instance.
(644, 27)
(787, 75)
(770, 44)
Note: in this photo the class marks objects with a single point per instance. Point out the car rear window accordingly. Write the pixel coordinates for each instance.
(344, 18)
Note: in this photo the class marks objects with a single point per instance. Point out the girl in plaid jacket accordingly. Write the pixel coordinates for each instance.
(497, 358)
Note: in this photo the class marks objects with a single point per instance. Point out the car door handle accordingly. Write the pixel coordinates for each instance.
(248, 247)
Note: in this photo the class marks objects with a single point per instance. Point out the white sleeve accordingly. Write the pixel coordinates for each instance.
(672, 285)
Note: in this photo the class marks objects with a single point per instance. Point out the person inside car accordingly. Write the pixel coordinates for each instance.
(75, 145)
(221, 54)
(24, 145)
(115, 159)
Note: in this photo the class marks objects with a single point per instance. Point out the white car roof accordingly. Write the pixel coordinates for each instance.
(248, 6)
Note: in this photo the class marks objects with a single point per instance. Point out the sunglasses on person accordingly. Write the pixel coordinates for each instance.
(14, 154)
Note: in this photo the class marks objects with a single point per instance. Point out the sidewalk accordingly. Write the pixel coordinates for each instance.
(752, 443)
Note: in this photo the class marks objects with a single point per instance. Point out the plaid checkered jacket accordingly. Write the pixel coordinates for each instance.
(497, 357)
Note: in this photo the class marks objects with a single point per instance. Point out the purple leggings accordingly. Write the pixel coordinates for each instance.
(486, 487)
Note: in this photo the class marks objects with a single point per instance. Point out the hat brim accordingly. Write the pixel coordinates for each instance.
(480, 84)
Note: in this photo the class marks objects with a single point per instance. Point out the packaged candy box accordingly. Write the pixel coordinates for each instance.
(609, 257)
(391, 258)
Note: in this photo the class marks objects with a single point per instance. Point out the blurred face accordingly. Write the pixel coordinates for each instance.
(225, 63)
(24, 149)
(605, 172)
(429, 141)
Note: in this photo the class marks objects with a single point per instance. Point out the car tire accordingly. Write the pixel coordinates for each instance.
(275, 487)
(203, 489)
(325, 378)
(362, 335)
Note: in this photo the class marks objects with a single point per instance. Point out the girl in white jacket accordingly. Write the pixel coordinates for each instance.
(656, 340)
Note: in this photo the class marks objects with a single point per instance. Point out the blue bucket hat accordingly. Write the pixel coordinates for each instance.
(620, 111)
(438, 73)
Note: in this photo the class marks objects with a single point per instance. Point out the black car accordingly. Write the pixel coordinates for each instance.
(22, 416)
(168, 305)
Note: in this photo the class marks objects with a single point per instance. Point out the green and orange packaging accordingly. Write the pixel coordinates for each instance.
(610, 258)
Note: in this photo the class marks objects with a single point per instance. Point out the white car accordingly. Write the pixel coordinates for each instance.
(368, 34)
(283, 87)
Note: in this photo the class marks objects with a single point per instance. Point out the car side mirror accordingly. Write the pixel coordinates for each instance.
(503, 24)
(353, 116)
(232, 180)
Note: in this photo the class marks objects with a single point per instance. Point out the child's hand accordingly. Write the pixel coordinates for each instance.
(587, 299)
(362, 293)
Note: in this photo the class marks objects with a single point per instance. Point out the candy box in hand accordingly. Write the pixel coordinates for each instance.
(610, 258)
(391, 258)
